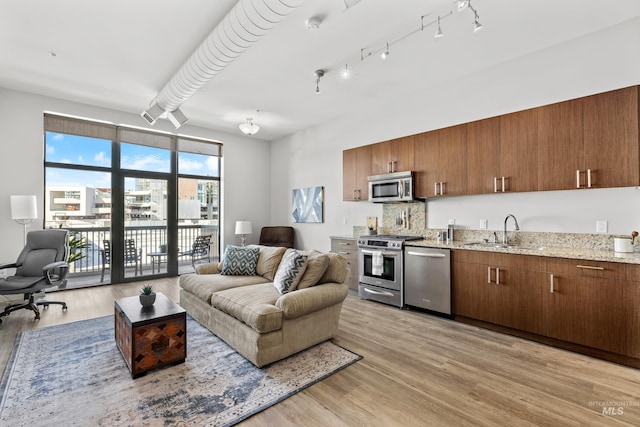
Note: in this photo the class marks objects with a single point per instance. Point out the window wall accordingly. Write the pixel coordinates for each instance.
(115, 188)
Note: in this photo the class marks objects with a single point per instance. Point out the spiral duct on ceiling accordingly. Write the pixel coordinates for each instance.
(243, 26)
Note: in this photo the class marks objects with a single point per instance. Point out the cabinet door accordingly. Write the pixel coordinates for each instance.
(426, 163)
(349, 250)
(519, 150)
(356, 164)
(402, 150)
(453, 160)
(483, 142)
(381, 158)
(349, 170)
(363, 170)
(560, 145)
(611, 138)
(587, 304)
(473, 295)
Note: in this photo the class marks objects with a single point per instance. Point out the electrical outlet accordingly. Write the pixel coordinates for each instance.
(452, 222)
(601, 226)
(483, 224)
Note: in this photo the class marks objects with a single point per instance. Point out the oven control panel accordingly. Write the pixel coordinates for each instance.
(373, 243)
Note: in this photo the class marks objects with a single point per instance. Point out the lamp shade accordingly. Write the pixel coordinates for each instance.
(249, 128)
(24, 207)
(243, 227)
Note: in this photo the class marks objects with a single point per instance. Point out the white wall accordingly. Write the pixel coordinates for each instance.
(606, 60)
(245, 173)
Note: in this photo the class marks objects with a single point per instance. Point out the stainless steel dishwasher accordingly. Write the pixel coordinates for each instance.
(427, 278)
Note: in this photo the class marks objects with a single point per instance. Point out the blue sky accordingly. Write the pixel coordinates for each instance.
(63, 148)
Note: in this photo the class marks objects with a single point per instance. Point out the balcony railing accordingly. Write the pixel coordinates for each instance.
(147, 238)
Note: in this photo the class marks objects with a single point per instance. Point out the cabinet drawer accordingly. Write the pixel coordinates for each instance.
(346, 248)
(578, 267)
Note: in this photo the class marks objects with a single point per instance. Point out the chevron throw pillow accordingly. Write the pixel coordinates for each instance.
(290, 271)
(239, 261)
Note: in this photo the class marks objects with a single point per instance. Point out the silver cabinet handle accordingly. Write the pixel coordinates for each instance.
(495, 184)
(551, 289)
(488, 274)
(435, 188)
(497, 276)
(371, 291)
(343, 253)
(426, 255)
(589, 267)
(443, 188)
(344, 244)
(503, 190)
(588, 178)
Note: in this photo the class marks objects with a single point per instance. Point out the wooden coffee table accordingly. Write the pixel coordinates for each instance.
(150, 337)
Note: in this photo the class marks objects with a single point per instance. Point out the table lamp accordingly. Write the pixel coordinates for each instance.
(243, 228)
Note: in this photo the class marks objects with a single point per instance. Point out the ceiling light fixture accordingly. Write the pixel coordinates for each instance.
(313, 23)
(384, 55)
(462, 4)
(249, 128)
(477, 26)
(346, 73)
(319, 74)
(439, 32)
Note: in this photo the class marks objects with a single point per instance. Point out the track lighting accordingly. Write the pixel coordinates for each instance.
(477, 26)
(439, 32)
(346, 73)
(384, 55)
(319, 74)
(462, 4)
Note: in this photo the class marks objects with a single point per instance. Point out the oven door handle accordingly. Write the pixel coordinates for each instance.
(389, 254)
(371, 291)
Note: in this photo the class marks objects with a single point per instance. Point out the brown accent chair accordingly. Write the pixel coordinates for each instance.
(277, 236)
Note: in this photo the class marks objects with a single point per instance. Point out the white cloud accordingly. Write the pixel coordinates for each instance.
(102, 159)
(188, 165)
(50, 149)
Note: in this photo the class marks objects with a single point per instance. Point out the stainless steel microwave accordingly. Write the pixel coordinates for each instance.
(391, 187)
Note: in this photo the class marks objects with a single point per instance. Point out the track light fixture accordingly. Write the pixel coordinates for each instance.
(384, 55)
(346, 73)
(477, 26)
(319, 74)
(439, 32)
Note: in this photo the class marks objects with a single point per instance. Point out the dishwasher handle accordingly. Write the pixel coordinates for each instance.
(426, 255)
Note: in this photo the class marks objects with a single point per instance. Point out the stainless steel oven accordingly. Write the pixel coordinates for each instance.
(380, 268)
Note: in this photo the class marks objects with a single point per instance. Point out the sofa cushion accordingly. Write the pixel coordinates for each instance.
(268, 260)
(254, 306)
(205, 285)
(239, 261)
(317, 264)
(290, 271)
(336, 270)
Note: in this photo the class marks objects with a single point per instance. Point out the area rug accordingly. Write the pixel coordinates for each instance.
(74, 375)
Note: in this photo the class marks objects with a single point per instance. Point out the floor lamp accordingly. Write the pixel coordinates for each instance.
(243, 228)
(24, 211)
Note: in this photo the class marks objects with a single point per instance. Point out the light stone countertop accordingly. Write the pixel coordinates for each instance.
(548, 251)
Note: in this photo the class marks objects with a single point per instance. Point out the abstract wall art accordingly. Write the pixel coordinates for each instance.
(308, 204)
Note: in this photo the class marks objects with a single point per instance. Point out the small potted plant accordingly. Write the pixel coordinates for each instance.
(147, 296)
(371, 230)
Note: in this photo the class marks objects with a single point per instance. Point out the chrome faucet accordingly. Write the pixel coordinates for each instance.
(505, 240)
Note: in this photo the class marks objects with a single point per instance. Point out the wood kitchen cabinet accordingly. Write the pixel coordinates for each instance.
(348, 248)
(560, 145)
(356, 167)
(441, 162)
(590, 142)
(395, 155)
(593, 304)
(503, 289)
(610, 123)
(518, 152)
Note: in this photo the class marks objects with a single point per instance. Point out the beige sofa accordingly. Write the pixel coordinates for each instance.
(253, 317)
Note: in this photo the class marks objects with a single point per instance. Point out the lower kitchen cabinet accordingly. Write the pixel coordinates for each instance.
(348, 248)
(591, 304)
(500, 288)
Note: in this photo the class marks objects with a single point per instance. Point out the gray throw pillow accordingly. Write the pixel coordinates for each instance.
(239, 261)
(290, 271)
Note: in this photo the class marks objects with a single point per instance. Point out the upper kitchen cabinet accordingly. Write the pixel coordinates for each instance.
(590, 142)
(483, 145)
(611, 139)
(560, 145)
(395, 155)
(518, 152)
(441, 162)
(356, 167)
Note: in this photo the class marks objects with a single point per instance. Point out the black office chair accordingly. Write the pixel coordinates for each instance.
(200, 249)
(41, 264)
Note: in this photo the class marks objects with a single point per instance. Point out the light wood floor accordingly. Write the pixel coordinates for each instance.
(417, 370)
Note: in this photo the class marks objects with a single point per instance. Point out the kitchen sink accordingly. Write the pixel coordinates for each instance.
(503, 246)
